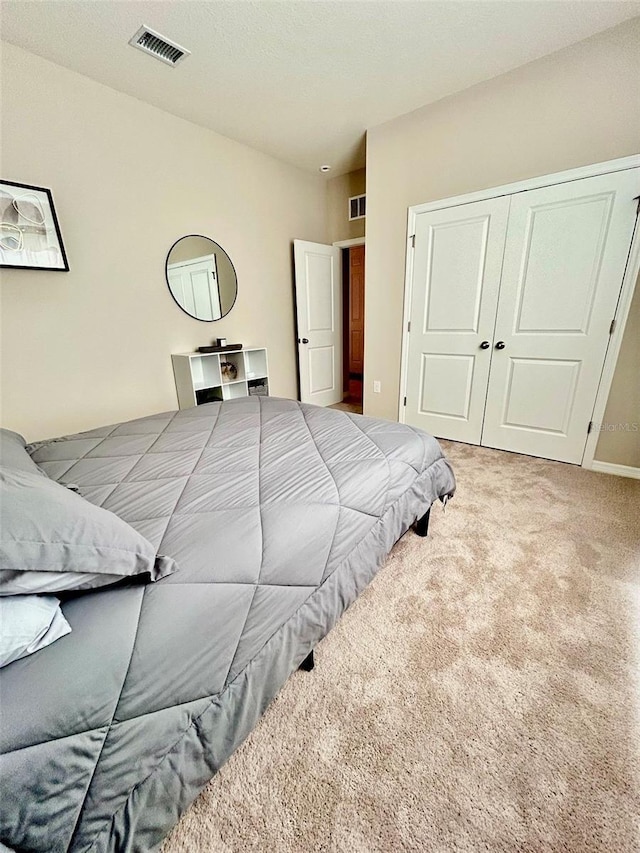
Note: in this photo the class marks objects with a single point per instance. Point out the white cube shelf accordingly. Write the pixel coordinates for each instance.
(199, 376)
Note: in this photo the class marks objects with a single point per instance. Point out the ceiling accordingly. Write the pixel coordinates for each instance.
(303, 79)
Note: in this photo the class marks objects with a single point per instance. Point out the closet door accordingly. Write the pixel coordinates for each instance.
(454, 292)
(564, 261)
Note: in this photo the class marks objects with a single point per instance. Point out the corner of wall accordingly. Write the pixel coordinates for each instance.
(339, 190)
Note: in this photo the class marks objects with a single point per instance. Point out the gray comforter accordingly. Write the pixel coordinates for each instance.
(278, 514)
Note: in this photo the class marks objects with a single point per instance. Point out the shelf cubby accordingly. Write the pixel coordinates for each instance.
(237, 360)
(206, 372)
(258, 387)
(232, 390)
(255, 364)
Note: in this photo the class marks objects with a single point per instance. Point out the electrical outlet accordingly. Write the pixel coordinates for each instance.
(376, 386)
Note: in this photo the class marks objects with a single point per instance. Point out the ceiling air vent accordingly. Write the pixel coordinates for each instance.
(162, 48)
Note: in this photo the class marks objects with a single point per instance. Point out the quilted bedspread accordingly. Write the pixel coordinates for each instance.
(278, 514)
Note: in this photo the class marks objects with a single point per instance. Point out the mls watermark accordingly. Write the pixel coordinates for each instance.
(632, 426)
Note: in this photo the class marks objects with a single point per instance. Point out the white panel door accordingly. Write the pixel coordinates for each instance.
(318, 279)
(194, 285)
(564, 261)
(454, 292)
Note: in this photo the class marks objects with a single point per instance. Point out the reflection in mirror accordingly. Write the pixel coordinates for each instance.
(201, 278)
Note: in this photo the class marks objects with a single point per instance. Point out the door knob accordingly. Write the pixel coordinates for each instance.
(500, 345)
(303, 340)
(485, 345)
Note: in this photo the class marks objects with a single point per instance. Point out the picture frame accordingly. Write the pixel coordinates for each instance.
(30, 237)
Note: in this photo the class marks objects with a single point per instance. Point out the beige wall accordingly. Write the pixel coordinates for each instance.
(93, 346)
(575, 107)
(619, 440)
(339, 191)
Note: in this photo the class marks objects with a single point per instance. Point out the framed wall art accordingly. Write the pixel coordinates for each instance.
(30, 235)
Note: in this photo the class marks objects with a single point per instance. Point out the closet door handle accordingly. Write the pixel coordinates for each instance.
(500, 345)
(303, 340)
(485, 345)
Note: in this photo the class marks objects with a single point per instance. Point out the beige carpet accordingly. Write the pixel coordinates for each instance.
(482, 695)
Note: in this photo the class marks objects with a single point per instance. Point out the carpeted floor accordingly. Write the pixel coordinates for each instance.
(482, 695)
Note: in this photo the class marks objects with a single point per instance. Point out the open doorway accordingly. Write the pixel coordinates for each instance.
(353, 260)
(329, 301)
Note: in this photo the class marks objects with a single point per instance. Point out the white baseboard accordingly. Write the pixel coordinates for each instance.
(618, 470)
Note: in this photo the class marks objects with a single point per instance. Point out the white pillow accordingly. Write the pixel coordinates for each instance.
(29, 623)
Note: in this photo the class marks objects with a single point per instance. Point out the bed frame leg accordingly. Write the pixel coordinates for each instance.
(308, 663)
(422, 524)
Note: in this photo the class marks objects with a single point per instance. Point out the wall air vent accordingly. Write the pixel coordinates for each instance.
(357, 207)
(156, 45)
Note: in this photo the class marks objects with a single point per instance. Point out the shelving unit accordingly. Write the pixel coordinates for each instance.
(199, 376)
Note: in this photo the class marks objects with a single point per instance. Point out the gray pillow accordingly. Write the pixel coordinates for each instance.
(28, 623)
(13, 453)
(51, 539)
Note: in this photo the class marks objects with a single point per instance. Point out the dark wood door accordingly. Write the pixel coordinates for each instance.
(356, 321)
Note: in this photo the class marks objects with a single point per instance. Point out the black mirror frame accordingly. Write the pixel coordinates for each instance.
(166, 278)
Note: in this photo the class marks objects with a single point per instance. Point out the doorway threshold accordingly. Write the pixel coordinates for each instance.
(347, 407)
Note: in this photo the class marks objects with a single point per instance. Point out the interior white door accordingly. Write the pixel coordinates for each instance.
(194, 284)
(454, 292)
(318, 281)
(565, 255)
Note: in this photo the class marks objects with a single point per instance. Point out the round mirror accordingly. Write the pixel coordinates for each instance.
(201, 278)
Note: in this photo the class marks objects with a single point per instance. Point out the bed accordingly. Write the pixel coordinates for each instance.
(277, 514)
